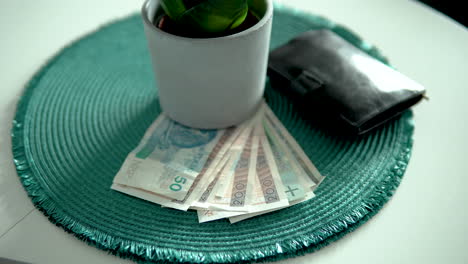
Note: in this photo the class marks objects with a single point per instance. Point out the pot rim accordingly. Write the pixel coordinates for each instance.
(266, 17)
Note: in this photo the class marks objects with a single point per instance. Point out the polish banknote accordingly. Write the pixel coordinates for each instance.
(264, 189)
(188, 191)
(237, 173)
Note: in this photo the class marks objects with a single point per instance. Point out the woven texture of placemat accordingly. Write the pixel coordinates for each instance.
(89, 106)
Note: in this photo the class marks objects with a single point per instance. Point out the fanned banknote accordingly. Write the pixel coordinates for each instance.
(240, 217)
(170, 157)
(295, 180)
(212, 162)
(265, 189)
(296, 150)
(237, 173)
(224, 171)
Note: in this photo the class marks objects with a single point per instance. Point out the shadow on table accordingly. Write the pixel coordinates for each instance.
(452, 9)
(10, 261)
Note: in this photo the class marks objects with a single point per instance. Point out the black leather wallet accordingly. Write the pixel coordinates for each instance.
(338, 85)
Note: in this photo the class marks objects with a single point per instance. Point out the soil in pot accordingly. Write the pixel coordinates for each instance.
(166, 24)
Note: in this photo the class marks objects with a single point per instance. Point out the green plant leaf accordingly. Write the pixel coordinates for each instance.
(173, 8)
(215, 16)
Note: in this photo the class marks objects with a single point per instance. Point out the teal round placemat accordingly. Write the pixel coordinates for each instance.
(89, 106)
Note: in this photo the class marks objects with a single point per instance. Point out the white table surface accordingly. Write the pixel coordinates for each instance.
(425, 221)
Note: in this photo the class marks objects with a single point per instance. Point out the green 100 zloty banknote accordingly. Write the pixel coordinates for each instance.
(295, 149)
(296, 182)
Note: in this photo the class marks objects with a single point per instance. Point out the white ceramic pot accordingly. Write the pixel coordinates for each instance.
(210, 82)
